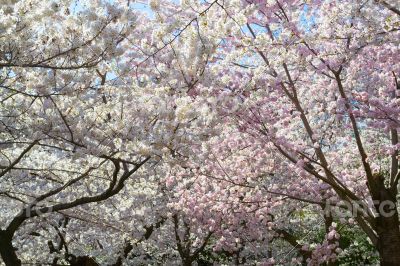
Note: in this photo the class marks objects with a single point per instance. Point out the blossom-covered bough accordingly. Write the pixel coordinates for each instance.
(231, 132)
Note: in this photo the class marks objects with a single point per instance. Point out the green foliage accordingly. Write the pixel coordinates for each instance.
(357, 249)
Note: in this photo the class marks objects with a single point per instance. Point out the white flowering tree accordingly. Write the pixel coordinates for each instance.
(82, 130)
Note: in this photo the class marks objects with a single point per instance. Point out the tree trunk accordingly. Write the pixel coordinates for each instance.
(7, 251)
(83, 261)
(387, 221)
(186, 262)
(389, 240)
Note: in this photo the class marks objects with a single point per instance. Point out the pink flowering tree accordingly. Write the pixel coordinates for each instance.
(317, 84)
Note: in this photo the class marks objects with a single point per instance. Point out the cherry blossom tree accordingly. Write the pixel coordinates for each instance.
(316, 84)
(79, 127)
